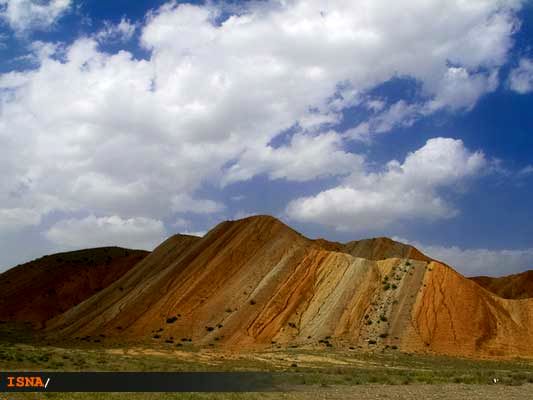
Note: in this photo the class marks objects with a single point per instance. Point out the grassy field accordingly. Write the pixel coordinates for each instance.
(300, 366)
(410, 392)
(309, 373)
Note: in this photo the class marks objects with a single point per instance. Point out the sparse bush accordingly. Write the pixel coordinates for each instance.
(383, 318)
(171, 320)
(252, 302)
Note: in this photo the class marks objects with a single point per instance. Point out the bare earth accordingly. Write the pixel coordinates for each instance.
(418, 392)
(405, 392)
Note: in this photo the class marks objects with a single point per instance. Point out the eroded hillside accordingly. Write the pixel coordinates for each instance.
(48, 286)
(256, 282)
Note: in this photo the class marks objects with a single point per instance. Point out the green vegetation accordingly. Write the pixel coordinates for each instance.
(320, 364)
(389, 367)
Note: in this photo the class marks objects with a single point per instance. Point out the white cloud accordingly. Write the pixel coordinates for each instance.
(475, 262)
(122, 32)
(526, 171)
(242, 214)
(181, 223)
(369, 201)
(183, 203)
(460, 88)
(185, 227)
(27, 15)
(521, 77)
(304, 158)
(110, 134)
(92, 231)
(14, 219)
(399, 113)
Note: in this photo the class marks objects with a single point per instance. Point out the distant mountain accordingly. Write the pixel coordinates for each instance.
(43, 288)
(518, 286)
(255, 283)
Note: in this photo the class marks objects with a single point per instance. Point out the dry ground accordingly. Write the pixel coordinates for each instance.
(311, 373)
(409, 392)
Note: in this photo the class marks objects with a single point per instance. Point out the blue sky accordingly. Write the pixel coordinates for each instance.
(125, 122)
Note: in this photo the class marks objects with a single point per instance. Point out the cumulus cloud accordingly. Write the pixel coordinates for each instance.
(183, 203)
(475, 262)
(521, 77)
(110, 134)
(408, 190)
(301, 160)
(14, 219)
(26, 15)
(121, 32)
(397, 114)
(92, 231)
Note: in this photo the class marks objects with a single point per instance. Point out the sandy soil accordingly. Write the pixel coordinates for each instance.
(416, 392)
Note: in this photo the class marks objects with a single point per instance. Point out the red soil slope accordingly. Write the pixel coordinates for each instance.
(518, 286)
(256, 282)
(48, 286)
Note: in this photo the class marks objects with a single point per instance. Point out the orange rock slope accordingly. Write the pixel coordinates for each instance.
(48, 286)
(256, 282)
